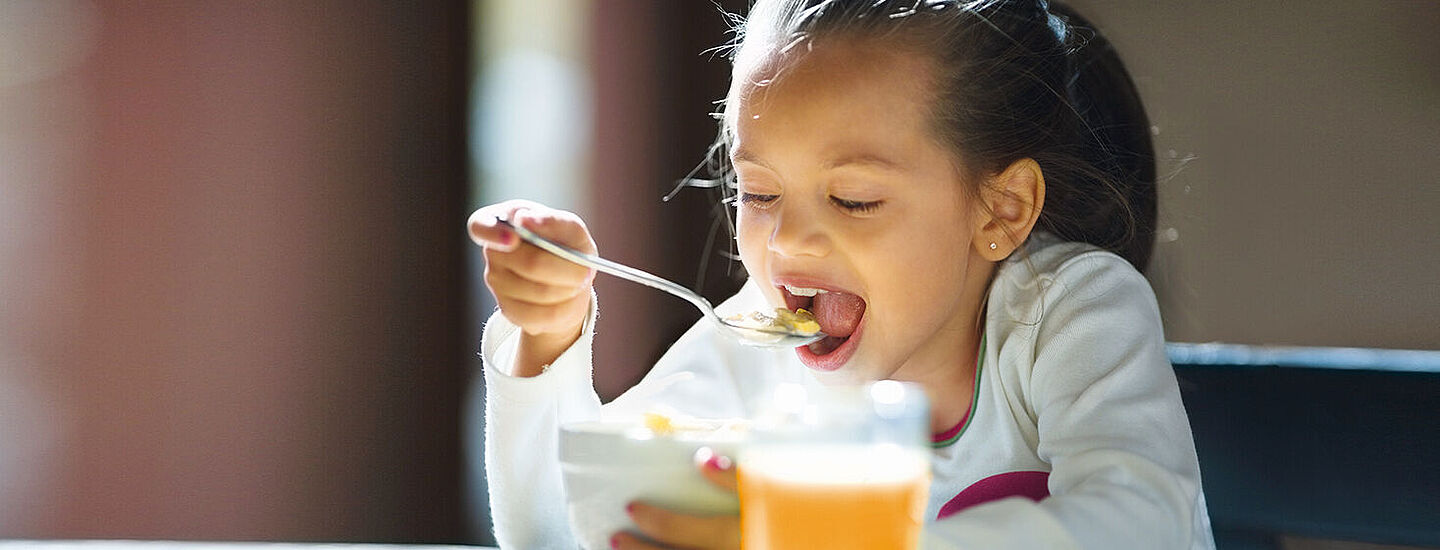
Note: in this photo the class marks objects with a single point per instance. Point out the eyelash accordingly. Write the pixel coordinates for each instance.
(756, 199)
(855, 207)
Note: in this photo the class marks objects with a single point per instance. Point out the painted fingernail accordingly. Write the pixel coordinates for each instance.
(719, 462)
(630, 508)
(614, 541)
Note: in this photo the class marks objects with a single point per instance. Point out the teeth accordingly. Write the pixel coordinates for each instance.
(801, 291)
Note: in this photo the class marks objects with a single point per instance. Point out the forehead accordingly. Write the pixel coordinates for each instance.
(836, 93)
(859, 68)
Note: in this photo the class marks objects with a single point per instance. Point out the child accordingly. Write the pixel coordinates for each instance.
(963, 193)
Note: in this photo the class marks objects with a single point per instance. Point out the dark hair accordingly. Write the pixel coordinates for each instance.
(1013, 79)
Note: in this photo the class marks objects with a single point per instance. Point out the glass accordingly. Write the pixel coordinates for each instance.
(837, 468)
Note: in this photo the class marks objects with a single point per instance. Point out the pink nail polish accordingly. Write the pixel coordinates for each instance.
(614, 541)
(630, 508)
(719, 462)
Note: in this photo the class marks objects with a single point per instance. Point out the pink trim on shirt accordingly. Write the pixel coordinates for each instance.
(950, 433)
(1031, 485)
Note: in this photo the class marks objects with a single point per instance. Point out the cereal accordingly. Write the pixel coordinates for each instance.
(783, 320)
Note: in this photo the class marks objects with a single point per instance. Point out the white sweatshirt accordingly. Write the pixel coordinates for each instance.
(1076, 404)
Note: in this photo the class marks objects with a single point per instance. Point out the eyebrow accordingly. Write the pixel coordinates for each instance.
(744, 155)
(858, 160)
(864, 160)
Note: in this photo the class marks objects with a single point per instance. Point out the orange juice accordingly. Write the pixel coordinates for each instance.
(833, 497)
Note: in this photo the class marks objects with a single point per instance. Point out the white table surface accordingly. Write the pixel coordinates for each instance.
(206, 545)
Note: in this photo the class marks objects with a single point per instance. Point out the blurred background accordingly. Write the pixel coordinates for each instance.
(237, 301)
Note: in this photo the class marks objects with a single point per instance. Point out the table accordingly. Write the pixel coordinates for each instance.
(214, 545)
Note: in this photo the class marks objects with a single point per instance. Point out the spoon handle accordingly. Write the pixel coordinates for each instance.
(619, 270)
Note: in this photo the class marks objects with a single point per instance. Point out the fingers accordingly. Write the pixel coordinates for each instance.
(538, 291)
(565, 317)
(538, 266)
(664, 529)
(628, 541)
(675, 530)
(716, 467)
(507, 282)
(557, 225)
(487, 232)
(556, 303)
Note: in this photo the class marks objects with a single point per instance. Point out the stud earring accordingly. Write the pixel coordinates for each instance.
(993, 246)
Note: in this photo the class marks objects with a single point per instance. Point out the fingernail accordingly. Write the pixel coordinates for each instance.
(630, 508)
(614, 541)
(719, 462)
(703, 456)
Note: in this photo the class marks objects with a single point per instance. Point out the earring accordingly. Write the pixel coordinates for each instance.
(992, 246)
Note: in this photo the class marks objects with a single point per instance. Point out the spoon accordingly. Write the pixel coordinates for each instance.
(768, 336)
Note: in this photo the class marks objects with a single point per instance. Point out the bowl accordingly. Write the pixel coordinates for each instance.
(606, 465)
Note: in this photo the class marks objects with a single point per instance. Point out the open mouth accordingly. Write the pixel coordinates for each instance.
(839, 314)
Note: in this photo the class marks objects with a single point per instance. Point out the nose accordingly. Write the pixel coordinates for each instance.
(798, 232)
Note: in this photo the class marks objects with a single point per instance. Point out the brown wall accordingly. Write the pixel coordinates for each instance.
(233, 308)
(655, 86)
(1303, 161)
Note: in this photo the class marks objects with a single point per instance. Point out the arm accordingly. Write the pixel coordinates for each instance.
(522, 415)
(547, 322)
(1109, 421)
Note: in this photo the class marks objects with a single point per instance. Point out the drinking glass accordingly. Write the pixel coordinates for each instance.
(836, 468)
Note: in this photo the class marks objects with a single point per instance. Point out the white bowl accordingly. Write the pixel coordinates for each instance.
(607, 465)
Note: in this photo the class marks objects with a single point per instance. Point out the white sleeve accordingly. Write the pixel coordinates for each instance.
(522, 464)
(1110, 422)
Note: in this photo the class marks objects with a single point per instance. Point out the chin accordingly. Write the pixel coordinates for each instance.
(842, 377)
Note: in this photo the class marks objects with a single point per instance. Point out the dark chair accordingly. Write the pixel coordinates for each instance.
(1332, 443)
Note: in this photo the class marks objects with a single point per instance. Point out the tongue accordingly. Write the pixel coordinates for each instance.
(838, 313)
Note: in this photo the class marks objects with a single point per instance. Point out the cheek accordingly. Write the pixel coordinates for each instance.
(750, 238)
(913, 277)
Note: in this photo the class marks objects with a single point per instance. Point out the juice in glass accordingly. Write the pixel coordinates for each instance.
(833, 496)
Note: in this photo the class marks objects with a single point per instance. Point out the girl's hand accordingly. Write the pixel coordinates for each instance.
(546, 296)
(665, 529)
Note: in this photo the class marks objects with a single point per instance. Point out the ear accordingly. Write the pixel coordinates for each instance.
(1010, 205)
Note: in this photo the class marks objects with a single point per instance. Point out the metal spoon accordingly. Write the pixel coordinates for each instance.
(767, 336)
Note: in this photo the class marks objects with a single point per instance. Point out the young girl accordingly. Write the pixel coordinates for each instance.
(963, 193)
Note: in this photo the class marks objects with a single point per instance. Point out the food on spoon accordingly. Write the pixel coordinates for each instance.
(783, 320)
(800, 320)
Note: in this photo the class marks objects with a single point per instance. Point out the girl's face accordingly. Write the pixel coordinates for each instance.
(843, 190)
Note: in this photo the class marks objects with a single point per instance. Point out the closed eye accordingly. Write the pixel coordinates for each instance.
(856, 207)
(756, 199)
